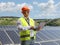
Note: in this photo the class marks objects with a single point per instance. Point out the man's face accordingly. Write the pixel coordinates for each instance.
(25, 13)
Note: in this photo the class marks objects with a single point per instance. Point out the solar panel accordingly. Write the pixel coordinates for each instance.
(49, 43)
(3, 38)
(14, 36)
(58, 42)
(55, 33)
(50, 34)
(47, 36)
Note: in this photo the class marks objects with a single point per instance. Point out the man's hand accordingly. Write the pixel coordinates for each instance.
(32, 27)
(39, 27)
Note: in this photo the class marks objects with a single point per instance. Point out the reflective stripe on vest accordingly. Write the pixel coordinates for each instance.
(25, 35)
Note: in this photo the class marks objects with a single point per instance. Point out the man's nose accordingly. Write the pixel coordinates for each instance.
(26, 12)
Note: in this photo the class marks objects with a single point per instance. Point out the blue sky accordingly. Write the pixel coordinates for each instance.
(39, 9)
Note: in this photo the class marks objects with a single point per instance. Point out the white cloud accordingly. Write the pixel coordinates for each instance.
(49, 9)
(57, 5)
(11, 6)
(46, 6)
(25, 4)
(35, 3)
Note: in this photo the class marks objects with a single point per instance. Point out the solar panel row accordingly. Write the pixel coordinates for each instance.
(10, 34)
(50, 37)
(3, 38)
(14, 37)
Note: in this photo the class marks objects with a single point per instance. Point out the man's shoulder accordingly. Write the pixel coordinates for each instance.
(31, 18)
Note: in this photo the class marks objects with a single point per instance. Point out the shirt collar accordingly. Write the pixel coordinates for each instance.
(26, 18)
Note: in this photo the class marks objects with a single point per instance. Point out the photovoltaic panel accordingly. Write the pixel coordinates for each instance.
(58, 42)
(4, 38)
(49, 43)
(47, 36)
(14, 36)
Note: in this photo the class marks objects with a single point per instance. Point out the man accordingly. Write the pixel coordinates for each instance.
(26, 26)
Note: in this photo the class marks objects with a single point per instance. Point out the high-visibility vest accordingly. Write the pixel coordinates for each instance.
(25, 34)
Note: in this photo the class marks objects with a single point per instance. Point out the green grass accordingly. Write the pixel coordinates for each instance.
(8, 21)
(12, 21)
